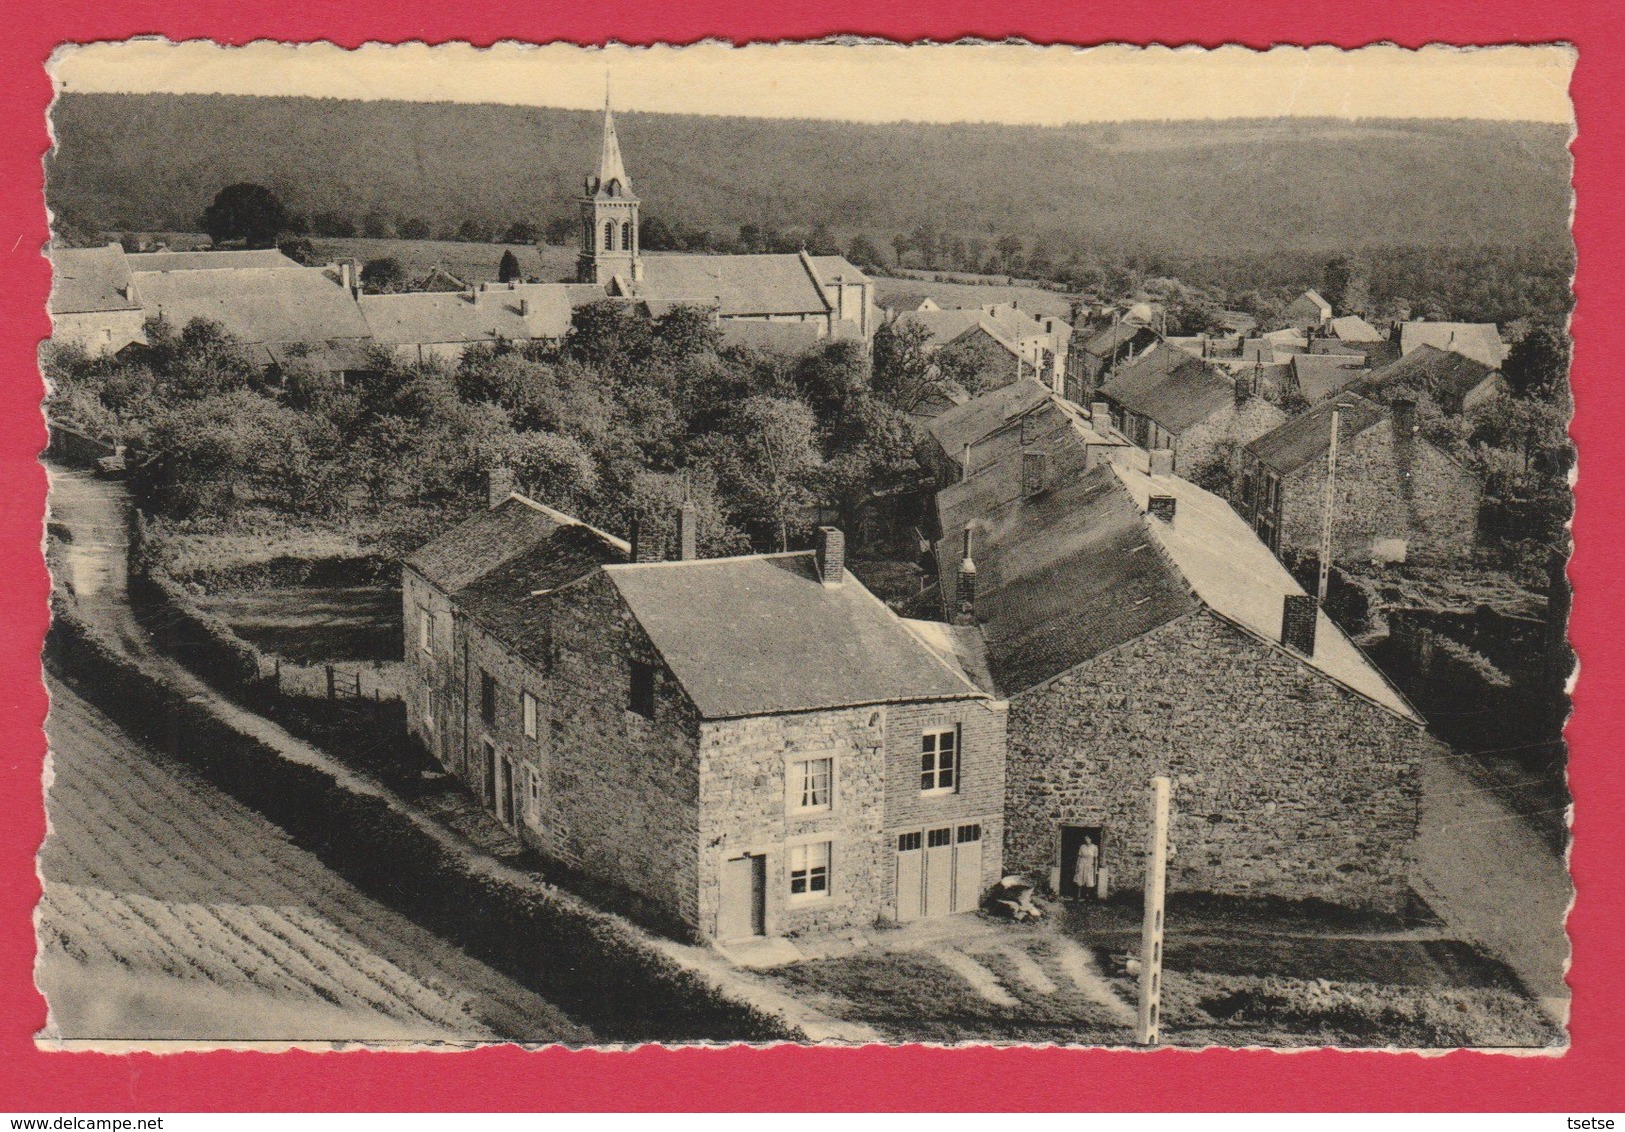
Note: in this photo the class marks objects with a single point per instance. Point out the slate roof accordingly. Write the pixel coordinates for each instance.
(343, 356)
(980, 417)
(1318, 376)
(745, 284)
(902, 300)
(487, 315)
(1062, 576)
(1308, 435)
(1070, 573)
(509, 602)
(256, 304)
(209, 260)
(1353, 328)
(1480, 341)
(1171, 387)
(1114, 337)
(789, 338)
(762, 635)
(90, 279)
(486, 540)
(1444, 375)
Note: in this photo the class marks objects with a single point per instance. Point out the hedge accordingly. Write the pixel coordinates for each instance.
(595, 967)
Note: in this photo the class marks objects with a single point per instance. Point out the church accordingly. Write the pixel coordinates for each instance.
(775, 301)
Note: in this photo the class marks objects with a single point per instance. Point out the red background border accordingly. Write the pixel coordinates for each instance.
(1589, 1076)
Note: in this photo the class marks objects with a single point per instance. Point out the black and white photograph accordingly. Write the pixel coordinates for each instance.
(828, 543)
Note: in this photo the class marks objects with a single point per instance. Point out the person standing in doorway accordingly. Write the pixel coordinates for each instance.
(1083, 873)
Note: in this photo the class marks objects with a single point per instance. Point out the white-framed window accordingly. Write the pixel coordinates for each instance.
(810, 785)
(425, 631)
(939, 761)
(809, 871)
(527, 708)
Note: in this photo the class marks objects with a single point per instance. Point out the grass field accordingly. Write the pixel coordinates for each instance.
(171, 912)
(472, 263)
(1034, 300)
(314, 623)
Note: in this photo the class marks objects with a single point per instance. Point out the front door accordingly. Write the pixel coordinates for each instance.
(1072, 840)
(506, 810)
(490, 783)
(744, 898)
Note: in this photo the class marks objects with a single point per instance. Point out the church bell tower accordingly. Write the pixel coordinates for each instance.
(609, 216)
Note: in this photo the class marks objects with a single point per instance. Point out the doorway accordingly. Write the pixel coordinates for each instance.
(744, 898)
(1072, 839)
(507, 809)
(489, 783)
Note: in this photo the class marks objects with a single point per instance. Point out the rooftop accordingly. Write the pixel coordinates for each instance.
(1444, 375)
(489, 538)
(90, 279)
(1353, 328)
(1308, 435)
(1320, 375)
(212, 260)
(746, 284)
(762, 635)
(255, 304)
(1171, 387)
(497, 311)
(1480, 341)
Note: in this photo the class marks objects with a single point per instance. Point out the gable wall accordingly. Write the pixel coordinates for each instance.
(1285, 784)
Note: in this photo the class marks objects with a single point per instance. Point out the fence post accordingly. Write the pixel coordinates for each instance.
(358, 684)
(277, 676)
(332, 691)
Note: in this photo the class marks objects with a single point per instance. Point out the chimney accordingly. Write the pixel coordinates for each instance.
(1160, 461)
(831, 556)
(1100, 414)
(964, 465)
(688, 532)
(524, 308)
(499, 484)
(1299, 613)
(1034, 473)
(965, 587)
(1162, 507)
(645, 541)
(1244, 388)
(1404, 410)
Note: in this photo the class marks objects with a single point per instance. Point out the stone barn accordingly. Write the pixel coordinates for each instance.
(1137, 627)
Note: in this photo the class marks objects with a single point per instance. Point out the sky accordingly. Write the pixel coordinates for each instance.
(869, 82)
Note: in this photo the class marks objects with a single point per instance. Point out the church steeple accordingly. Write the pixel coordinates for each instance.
(609, 214)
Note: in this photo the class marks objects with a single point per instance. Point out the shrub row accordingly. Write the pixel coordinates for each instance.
(198, 639)
(597, 968)
(294, 570)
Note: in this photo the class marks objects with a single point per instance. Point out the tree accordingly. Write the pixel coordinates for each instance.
(1538, 364)
(244, 211)
(521, 232)
(555, 469)
(378, 224)
(769, 460)
(904, 374)
(415, 228)
(865, 253)
(560, 232)
(300, 250)
(383, 276)
(508, 268)
(332, 225)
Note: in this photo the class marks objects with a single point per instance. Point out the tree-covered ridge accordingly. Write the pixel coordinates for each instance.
(153, 162)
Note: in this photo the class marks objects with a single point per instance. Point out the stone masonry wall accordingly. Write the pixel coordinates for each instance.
(1389, 485)
(746, 808)
(1233, 426)
(1285, 783)
(432, 686)
(980, 793)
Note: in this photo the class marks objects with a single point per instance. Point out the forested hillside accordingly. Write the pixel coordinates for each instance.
(1178, 189)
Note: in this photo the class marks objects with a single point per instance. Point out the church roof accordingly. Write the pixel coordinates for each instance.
(739, 284)
(612, 180)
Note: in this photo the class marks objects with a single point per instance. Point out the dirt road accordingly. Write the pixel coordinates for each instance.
(172, 912)
(1494, 880)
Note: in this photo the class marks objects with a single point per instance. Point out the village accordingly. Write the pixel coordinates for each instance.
(831, 630)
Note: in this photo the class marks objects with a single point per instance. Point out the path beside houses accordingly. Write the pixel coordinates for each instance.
(1495, 881)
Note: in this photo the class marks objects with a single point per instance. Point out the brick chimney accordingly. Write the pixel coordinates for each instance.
(1244, 387)
(831, 556)
(524, 308)
(688, 532)
(965, 586)
(1161, 461)
(1034, 473)
(1299, 614)
(645, 542)
(499, 484)
(1100, 415)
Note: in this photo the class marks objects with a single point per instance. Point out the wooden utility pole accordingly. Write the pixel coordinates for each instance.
(1331, 509)
(1156, 891)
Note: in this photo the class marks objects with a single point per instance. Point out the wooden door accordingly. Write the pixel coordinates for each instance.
(744, 898)
(910, 877)
(967, 868)
(507, 809)
(939, 871)
(490, 783)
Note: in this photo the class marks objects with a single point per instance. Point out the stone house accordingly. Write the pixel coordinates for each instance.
(1398, 496)
(1455, 382)
(1173, 400)
(91, 303)
(997, 343)
(1101, 352)
(1023, 415)
(1480, 341)
(751, 746)
(1309, 311)
(1137, 627)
